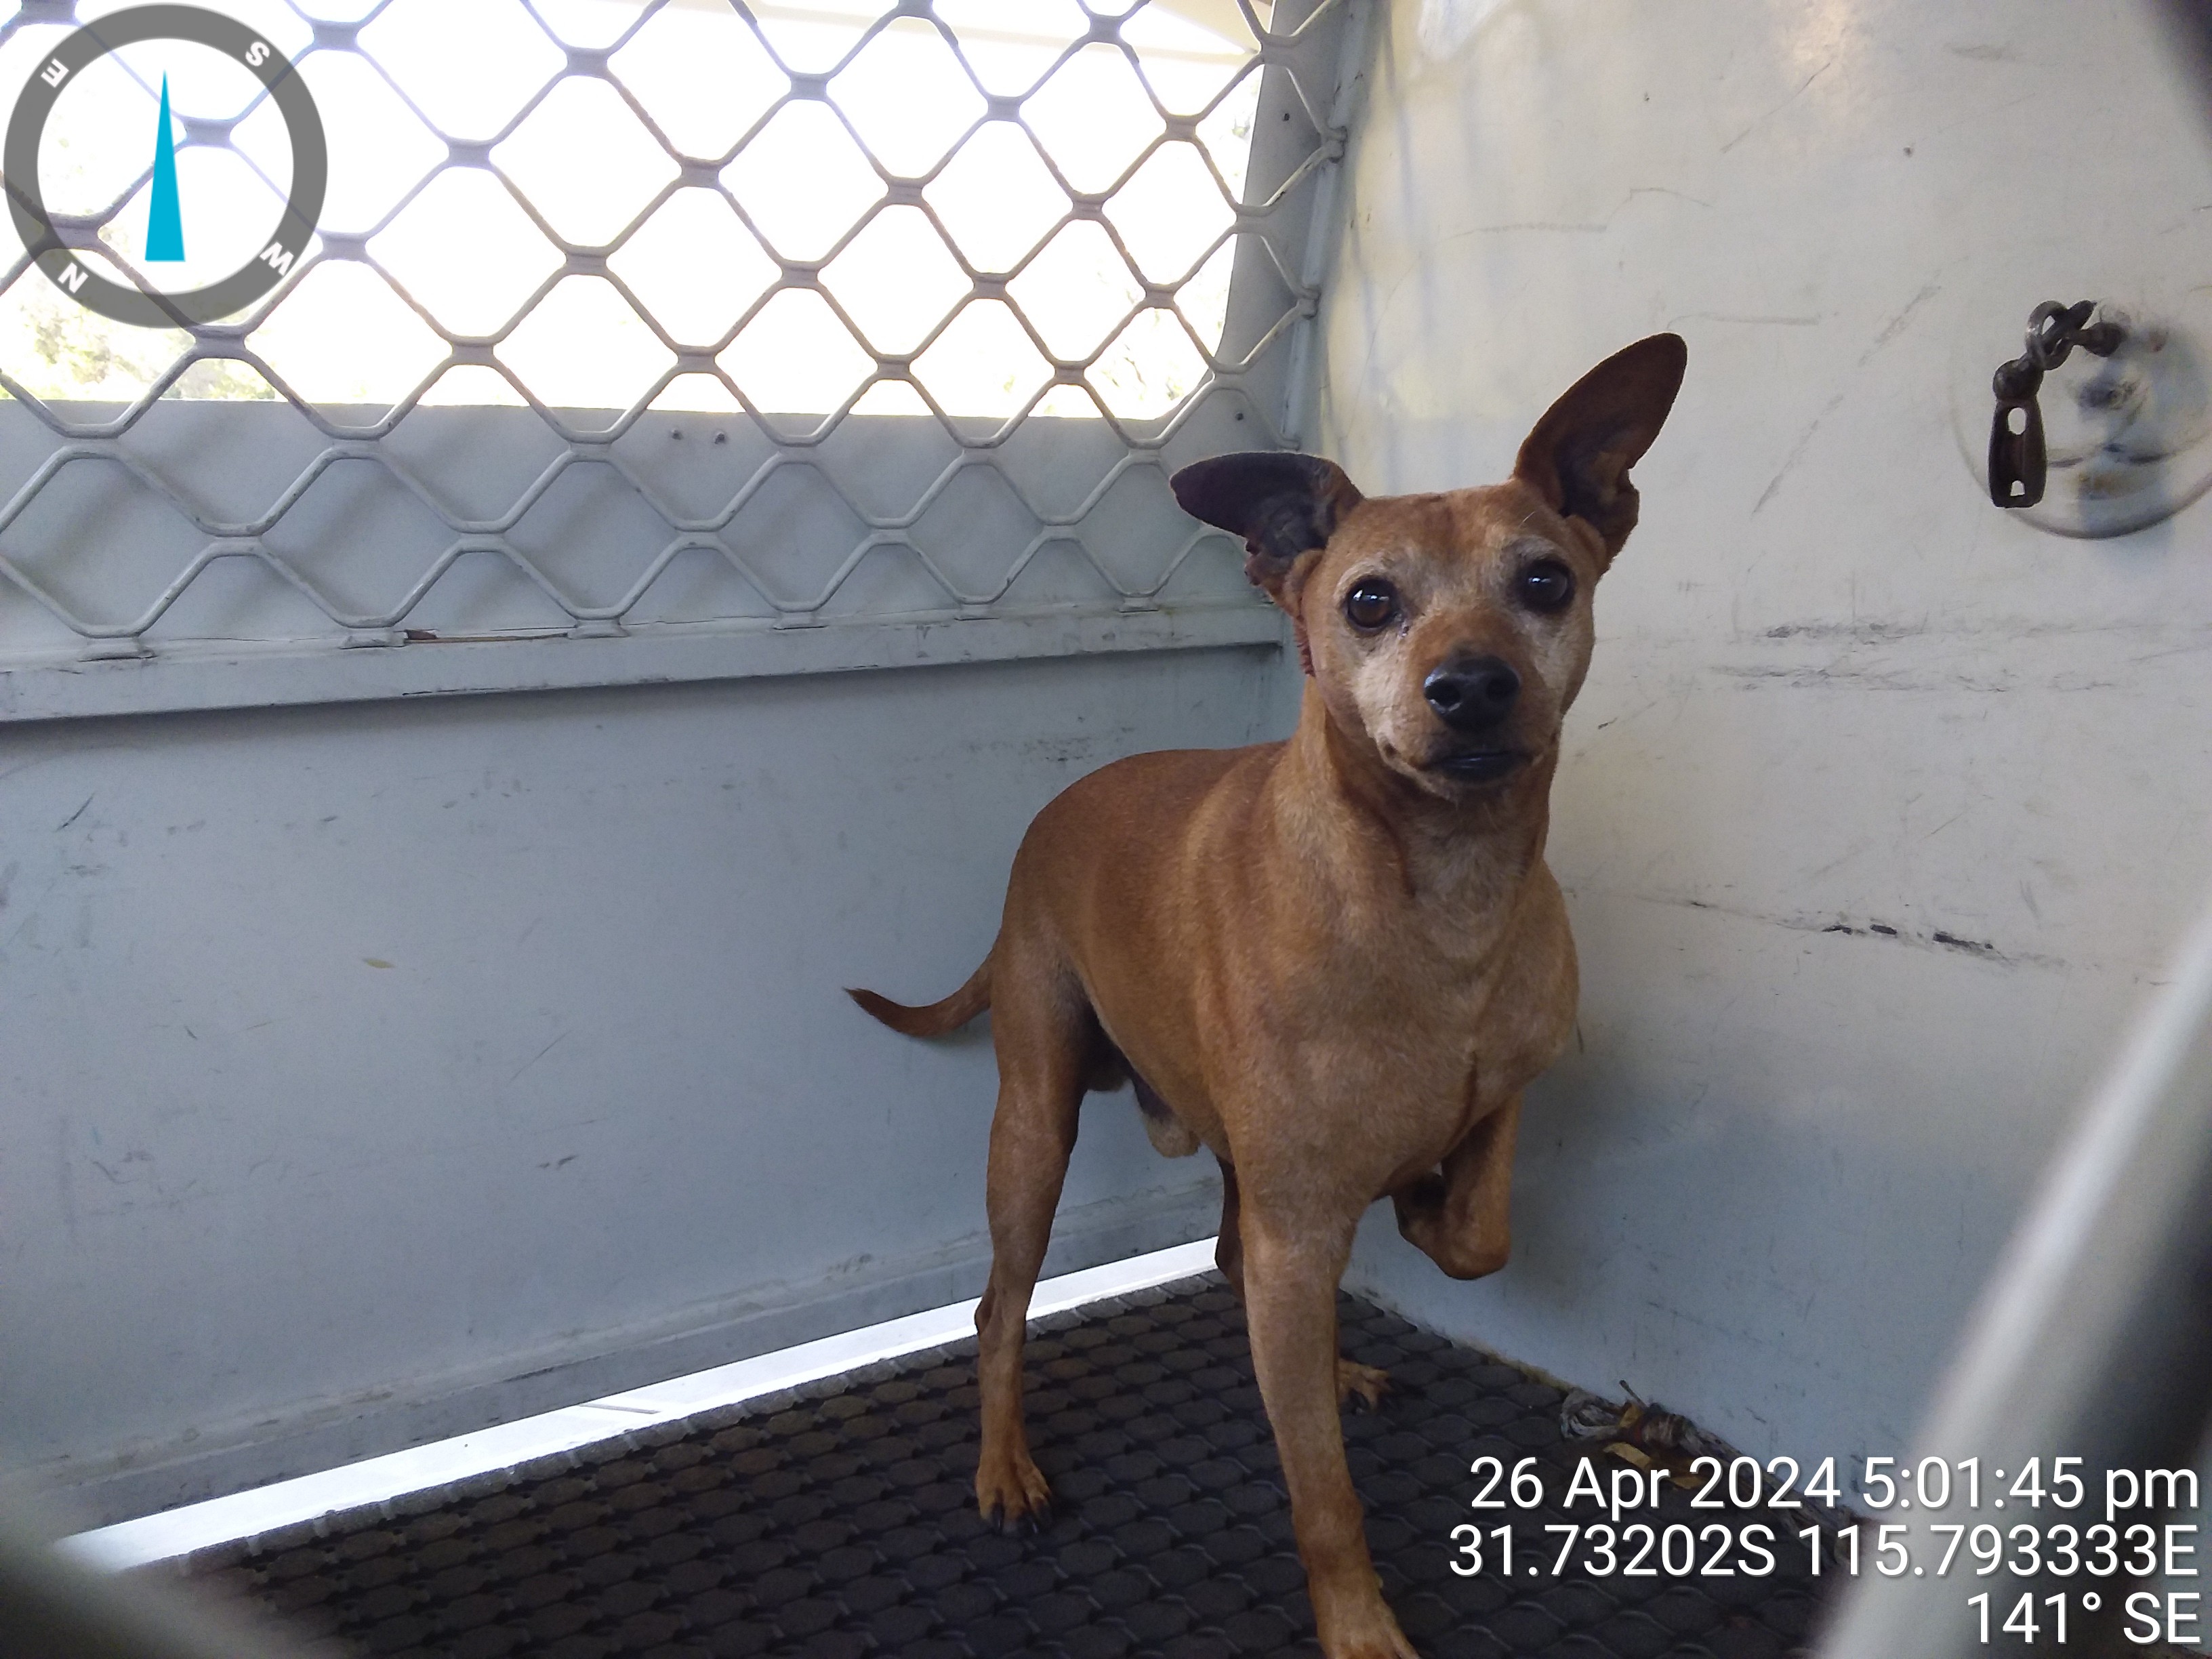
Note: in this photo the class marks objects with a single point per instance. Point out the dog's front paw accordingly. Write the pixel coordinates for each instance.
(1368, 1382)
(1012, 1492)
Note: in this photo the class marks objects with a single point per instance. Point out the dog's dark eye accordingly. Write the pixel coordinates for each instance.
(1372, 604)
(1547, 585)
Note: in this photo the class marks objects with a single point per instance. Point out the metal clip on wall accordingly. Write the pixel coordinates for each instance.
(2018, 462)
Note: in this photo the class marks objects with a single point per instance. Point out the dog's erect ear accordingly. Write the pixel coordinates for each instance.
(1577, 459)
(1282, 505)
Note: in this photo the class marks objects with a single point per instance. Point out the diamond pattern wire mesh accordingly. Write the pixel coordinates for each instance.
(921, 475)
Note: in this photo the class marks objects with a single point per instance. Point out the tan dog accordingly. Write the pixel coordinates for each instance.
(1332, 962)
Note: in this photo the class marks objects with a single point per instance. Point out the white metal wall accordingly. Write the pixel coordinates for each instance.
(1878, 809)
(378, 1071)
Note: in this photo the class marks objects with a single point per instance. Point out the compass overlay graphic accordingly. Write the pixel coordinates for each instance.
(279, 249)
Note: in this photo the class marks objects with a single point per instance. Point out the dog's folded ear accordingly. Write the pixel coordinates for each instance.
(1578, 458)
(1282, 506)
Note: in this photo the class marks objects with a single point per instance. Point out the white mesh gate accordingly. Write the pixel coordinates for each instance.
(733, 337)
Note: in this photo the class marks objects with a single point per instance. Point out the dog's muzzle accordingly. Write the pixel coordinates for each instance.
(1478, 765)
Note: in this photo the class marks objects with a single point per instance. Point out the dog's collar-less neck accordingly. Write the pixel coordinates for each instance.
(1477, 853)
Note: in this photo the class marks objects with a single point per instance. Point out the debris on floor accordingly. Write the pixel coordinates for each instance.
(1647, 1436)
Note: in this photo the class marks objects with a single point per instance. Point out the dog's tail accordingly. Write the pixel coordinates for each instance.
(939, 1017)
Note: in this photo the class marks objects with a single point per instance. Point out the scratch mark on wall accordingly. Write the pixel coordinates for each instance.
(1779, 107)
(1938, 939)
(1662, 189)
(1865, 632)
(1888, 332)
(1630, 715)
(540, 1055)
(1579, 227)
(1576, 225)
(1895, 326)
(1973, 947)
(1834, 675)
(1797, 452)
(1752, 321)
(1421, 263)
(1986, 117)
(32, 916)
(75, 815)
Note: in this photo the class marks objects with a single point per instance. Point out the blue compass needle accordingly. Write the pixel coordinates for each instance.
(165, 223)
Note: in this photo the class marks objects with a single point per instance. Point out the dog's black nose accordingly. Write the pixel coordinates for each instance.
(1470, 694)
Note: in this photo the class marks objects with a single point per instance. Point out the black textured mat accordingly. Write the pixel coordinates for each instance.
(839, 1521)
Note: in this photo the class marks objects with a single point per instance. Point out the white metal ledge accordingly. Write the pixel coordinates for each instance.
(259, 676)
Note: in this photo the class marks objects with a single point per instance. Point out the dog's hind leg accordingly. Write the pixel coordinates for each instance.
(1047, 1041)
(1229, 1244)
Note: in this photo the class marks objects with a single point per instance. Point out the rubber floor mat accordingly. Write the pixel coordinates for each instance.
(839, 1520)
